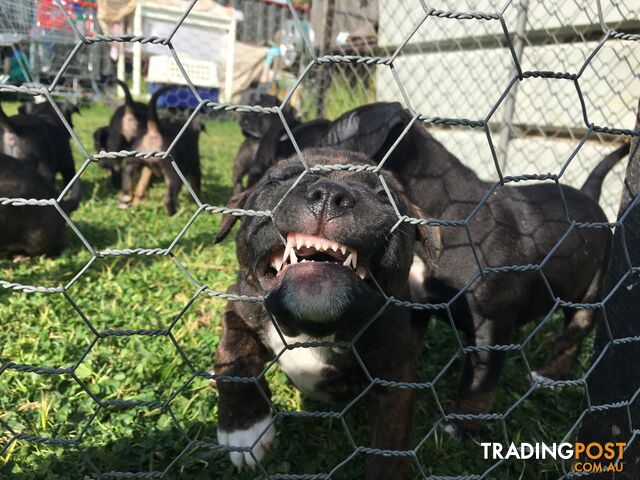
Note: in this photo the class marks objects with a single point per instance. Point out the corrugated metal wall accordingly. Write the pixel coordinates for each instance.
(453, 68)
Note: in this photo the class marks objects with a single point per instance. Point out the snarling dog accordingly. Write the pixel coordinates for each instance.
(322, 284)
(125, 126)
(157, 135)
(29, 230)
(42, 144)
(266, 140)
(515, 226)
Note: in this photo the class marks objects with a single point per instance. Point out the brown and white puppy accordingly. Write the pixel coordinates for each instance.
(125, 126)
(157, 135)
(321, 263)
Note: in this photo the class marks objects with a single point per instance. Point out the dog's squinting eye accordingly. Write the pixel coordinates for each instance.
(382, 193)
(281, 178)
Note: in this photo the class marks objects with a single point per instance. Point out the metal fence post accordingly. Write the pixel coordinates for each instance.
(324, 75)
(506, 130)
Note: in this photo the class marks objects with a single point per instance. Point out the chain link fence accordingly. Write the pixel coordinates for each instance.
(41, 39)
(491, 82)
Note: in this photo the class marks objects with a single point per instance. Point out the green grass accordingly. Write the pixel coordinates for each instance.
(147, 292)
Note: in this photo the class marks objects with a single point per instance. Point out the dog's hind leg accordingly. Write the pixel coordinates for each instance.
(130, 175)
(578, 324)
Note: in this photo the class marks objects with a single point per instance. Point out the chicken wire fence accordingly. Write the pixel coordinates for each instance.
(581, 130)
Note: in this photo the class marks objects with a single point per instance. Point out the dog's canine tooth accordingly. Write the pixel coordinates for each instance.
(277, 263)
(354, 260)
(361, 272)
(347, 262)
(288, 249)
(294, 259)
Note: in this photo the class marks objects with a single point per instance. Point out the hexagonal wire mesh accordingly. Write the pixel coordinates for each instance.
(608, 38)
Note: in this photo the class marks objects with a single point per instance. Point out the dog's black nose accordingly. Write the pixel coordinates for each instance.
(329, 199)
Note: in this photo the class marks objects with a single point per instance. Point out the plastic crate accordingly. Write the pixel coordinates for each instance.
(163, 69)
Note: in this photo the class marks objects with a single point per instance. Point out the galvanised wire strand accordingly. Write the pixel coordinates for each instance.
(316, 62)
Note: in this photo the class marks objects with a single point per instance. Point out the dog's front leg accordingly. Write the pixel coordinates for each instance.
(391, 408)
(392, 411)
(244, 414)
(143, 184)
(480, 374)
(174, 184)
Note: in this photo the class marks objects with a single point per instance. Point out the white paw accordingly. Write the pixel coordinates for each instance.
(536, 377)
(260, 433)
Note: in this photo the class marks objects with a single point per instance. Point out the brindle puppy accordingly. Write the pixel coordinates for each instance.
(315, 263)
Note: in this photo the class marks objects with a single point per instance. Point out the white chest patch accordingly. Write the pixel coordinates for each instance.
(304, 366)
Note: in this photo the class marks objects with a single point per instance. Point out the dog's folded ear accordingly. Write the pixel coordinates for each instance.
(366, 129)
(228, 221)
(251, 127)
(428, 241)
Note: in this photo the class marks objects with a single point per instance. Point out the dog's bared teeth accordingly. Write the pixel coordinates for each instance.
(347, 262)
(354, 260)
(294, 259)
(298, 243)
(361, 272)
(308, 243)
(343, 249)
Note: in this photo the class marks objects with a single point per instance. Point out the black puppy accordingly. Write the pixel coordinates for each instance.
(318, 287)
(157, 135)
(515, 226)
(266, 140)
(41, 143)
(125, 126)
(45, 110)
(29, 230)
